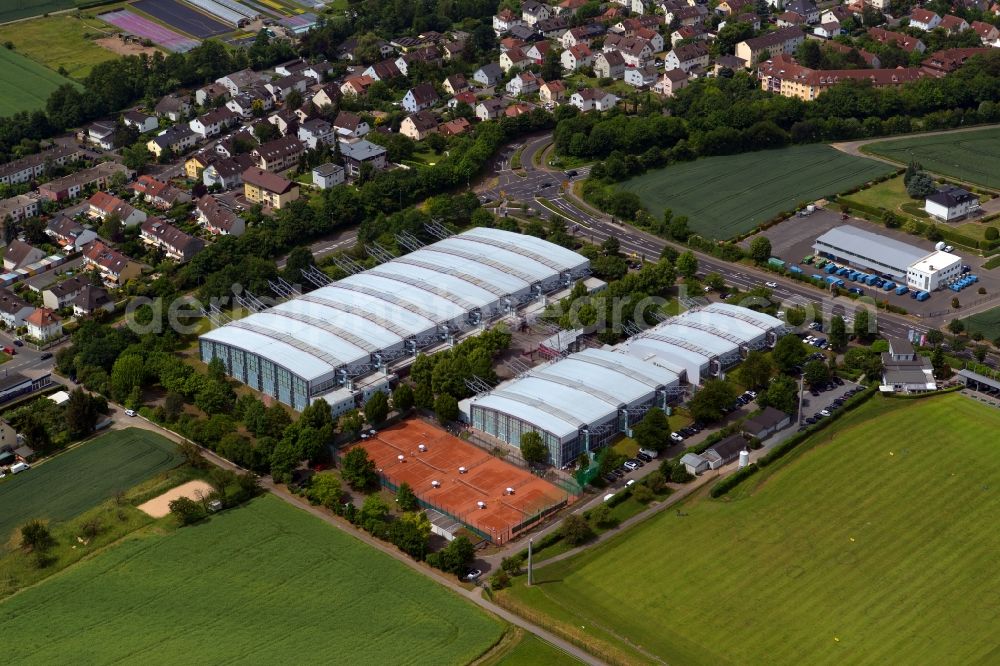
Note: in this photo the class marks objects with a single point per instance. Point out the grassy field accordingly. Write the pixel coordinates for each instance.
(987, 323)
(727, 196)
(972, 156)
(13, 10)
(59, 41)
(872, 546)
(255, 584)
(77, 480)
(25, 84)
(523, 649)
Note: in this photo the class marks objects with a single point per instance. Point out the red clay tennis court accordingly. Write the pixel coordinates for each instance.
(495, 498)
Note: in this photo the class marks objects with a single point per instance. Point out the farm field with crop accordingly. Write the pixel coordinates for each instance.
(730, 195)
(13, 10)
(73, 482)
(25, 84)
(60, 41)
(254, 584)
(987, 323)
(862, 546)
(972, 156)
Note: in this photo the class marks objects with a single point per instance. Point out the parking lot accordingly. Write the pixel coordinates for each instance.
(792, 240)
(828, 399)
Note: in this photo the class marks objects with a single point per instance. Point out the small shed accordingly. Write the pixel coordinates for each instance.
(59, 397)
(765, 424)
(24, 454)
(694, 463)
(725, 451)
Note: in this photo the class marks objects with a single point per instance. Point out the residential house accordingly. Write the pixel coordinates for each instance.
(870, 59)
(43, 325)
(102, 133)
(246, 104)
(576, 57)
(227, 172)
(28, 168)
(264, 187)
(765, 424)
(362, 152)
(455, 127)
(552, 92)
(488, 75)
(467, 97)
(328, 175)
(689, 32)
(731, 63)
(641, 77)
(635, 50)
(279, 154)
(805, 8)
(69, 233)
(516, 109)
(197, 162)
(757, 49)
(114, 267)
(173, 107)
(455, 84)
(784, 76)
(428, 55)
(241, 81)
(61, 294)
(924, 19)
(356, 86)
(903, 41)
(101, 204)
(419, 126)
(13, 309)
(523, 84)
(504, 20)
(214, 122)
(71, 186)
(177, 139)
(593, 99)
(420, 97)
(286, 85)
(316, 132)
(217, 218)
(20, 254)
(385, 70)
(790, 19)
(672, 81)
(951, 203)
(537, 52)
(176, 244)
(327, 95)
(214, 94)
(553, 27)
(905, 371)
(346, 50)
(533, 11)
(92, 299)
(953, 24)
(18, 207)
(489, 109)
(609, 65)
(514, 58)
(827, 30)
(989, 34)
(583, 34)
(294, 66)
(652, 37)
(687, 57)
(569, 7)
(689, 15)
(835, 14)
(286, 120)
(453, 50)
(734, 7)
(348, 124)
(140, 120)
(159, 194)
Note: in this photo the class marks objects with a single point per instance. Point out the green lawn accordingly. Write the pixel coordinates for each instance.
(972, 156)
(25, 85)
(727, 196)
(874, 546)
(263, 583)
(72, 482)
(531, 651)
(60, 41)
(987, 323)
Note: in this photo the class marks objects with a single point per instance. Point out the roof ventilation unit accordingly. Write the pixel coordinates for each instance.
(462, 470)
(435, 484)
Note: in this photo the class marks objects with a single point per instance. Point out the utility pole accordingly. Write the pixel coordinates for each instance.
(531, 577)
(802, 380)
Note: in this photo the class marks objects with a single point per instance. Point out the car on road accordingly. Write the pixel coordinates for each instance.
(772, 285)
(18, 343)
(473, 574)
(545, 184)
(46, 356)
(571, 173)
(129, 412)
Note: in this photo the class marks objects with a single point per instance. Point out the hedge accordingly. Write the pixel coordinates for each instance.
(733, 480)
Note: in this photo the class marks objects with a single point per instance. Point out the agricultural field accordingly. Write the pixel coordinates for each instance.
(26, 85)
(863, 546)
(524, 649)
(972, 156)
(14, 10)
(987, 323)
(727, 196)
(73, 482)
(60, 41)
(254, 584)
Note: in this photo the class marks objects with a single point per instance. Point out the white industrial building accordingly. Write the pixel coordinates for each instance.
(316, 344)
(888, 257)
(580, 402)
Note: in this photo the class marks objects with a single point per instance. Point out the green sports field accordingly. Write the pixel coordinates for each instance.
(727, 196)
(987, 323)
(972, 156)
(264, 583)
(72, 482)
(25, 85)
(877, 546)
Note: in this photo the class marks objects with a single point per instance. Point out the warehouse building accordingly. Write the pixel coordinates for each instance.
(921, 269)
(580, 402)
(313, 345)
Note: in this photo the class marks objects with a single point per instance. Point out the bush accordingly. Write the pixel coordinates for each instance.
(499, 581)
(600, 516)
(642, 493)
(733, 480)
(576, 530)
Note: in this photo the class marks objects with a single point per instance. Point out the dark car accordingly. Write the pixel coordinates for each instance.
(619, 472)
(811, 420)
(46, 356)
(570, 173)
(610, 478)
(838, 381)
(643, 457)
(18, 343)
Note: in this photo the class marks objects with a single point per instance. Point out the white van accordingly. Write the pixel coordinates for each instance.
(17, 468)
(652, 453)
(608, 497)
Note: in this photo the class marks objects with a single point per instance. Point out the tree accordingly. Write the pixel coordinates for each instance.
(36, 537)
(980, 353)
(405, 498)
(782, 394)
(715, 281)
(687, 265)
(374, 512)
(653, 431)
(955, 303)
(187, 510)
(576, 530)
(755, 370)
(359, 470)
(298, 260)
(788, 353)
(992, 233)
(551, 66)
(351, 423)
(935, 337)
(446, 408)
(126, 373)
(838, 333)
(285, 457)
(402, 398)
(454, 558)
(816, 373)
(377, 408)
(600, 516)
(956, 326)
(939, 363)
(111, 228)
(611, 247)
(760, 247)
(709, 403)
(533, 448)
(864, 326)
(920, 186)
(809, 54)
(81, 414)
(410, 533)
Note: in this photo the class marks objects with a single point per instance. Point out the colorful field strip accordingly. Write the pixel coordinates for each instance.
(182, 17)
(143, 27)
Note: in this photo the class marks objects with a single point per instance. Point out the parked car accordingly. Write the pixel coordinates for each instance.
(610, 478)
(676, 437)
(129, 412)
(652, 453)
(631, 465)
(643, 457)
(473, 574)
